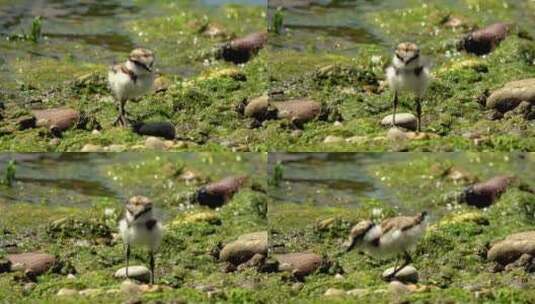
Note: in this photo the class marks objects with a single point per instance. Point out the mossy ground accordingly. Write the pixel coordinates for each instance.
(183, 263)
(450, 107)
(451, 256)
(202, 98)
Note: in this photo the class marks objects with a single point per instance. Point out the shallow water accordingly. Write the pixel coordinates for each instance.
(86, 32)
(340, 26)
(79, 178)
(347, 179)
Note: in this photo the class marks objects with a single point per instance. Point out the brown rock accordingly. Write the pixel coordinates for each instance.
(245, 247)
(56, 120)
(298, 111)
(216, 194)
(512, 95)
(241, 50)
(33, 263)
(485, 40)
(485, 193)
(258, 108)
(299, 264)
(513, 247)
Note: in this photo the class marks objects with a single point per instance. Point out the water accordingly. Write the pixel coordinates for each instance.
(83, 31)
(347, 179)
(79, 179)
(340, 26)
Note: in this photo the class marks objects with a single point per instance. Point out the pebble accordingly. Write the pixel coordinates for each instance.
(96, 132)
(71, 276)
(67, 292)
(331, 139)
(408, 274)
(338, 276)
(245, 247)
(91, 148)
(334, 292)
(140, 273)
(55, 141)
(115, 148)
(403, 120)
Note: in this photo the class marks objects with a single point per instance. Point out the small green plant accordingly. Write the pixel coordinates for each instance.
(10, 174)
(35, 32)
(276, 178)
(277, 22)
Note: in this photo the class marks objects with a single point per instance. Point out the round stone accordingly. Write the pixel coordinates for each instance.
(140, 273)
(406, 274)
(403, 120)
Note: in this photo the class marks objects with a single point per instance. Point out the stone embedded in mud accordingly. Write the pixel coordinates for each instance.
(298, 111)
(33, 263)
(241, 50)
(91, 148)
(485, 40)
(486, 193)
(217, 193)
(159, 129)
(140, 273)
(300, 264)
(56, 120)
(512, 95)
(408, 274)
(513, 247)
(245, 247)
(403, 120)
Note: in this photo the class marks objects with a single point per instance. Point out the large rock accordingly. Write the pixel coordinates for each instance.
(512, 94)
(403, 120)
(140, 273)
(298, 111)
(56, 120)
(245, 247)
(217, 193)
(485, 40)
(241, 50)
(515, 245)
(32, 263)
(299, 264)
(159, 129)
(486, 193)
